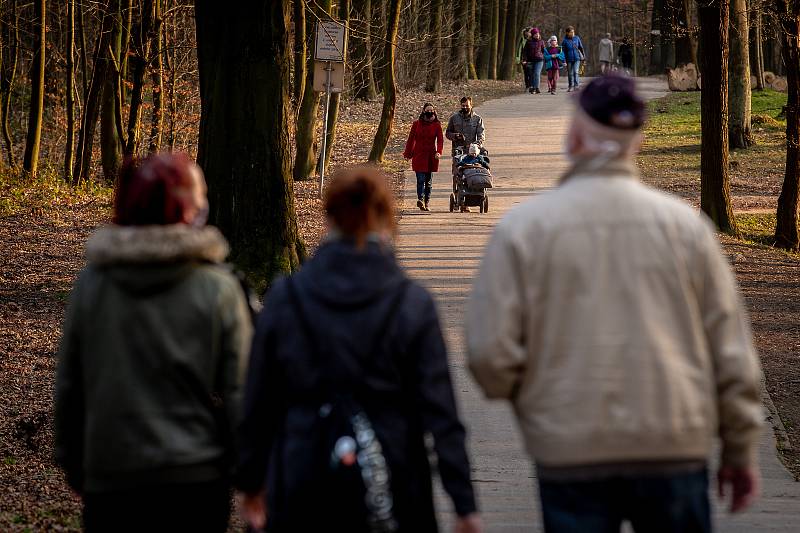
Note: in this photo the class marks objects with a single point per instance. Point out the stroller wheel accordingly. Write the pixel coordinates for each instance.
(452, 202)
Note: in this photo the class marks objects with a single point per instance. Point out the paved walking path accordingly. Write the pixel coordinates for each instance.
(442, 250)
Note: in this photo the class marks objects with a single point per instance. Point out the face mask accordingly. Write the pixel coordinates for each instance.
(429, 114)
(465, 111)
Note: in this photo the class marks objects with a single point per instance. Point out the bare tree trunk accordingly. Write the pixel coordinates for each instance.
(157, 66)
(508, 65)
(389, 86)
(141, 54)
(243, 52)
(299, 51)
(363, 76)
(501, 33)
(91, 107)
(9, 72)
(433, 82)
(493, 39)
(69, 148)
(758, 71)
(472, 23)
(84, 53)
(30, 163)
(739, 77)
(170, 55)
(715, 196)
(483, 53)
(787, 235)
(111, 134)
(460, 39)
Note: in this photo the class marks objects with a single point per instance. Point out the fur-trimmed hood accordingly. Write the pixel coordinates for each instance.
(176, 243)
(148, 259)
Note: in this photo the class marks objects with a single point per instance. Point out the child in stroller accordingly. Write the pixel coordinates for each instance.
(471, 178)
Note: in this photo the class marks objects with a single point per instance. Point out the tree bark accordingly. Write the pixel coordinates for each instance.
(111, 136)
(501, 33)
(472, 23)
(30, 163)
(69, 53)
(157, 66)
(300, 49)
(787, 235)
(739, 77)
(9, 72)
(243, 52)
(389, 86)
(363, 76)
(460, 40)
(433, 81)
(493, 39)
(483, 51)
(509, 63)
(715, 198)
(758, 70)
(141, 55)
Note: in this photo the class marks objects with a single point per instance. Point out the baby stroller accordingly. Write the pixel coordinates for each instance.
(470, 183)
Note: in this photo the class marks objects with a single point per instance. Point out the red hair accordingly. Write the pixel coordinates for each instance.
(358, 201)
(152, 191)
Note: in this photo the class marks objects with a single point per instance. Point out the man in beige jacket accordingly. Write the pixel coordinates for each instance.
(606, 313)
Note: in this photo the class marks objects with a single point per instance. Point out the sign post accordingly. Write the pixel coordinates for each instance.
(329, 55)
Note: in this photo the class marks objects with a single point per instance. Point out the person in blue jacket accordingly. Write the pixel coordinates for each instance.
(574, 54)
(553, 61)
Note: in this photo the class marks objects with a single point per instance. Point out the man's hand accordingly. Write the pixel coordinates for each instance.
(745, 484)
(469, 524)
(253, 509)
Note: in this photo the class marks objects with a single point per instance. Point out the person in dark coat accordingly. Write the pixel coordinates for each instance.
(533, 60)
(379, 329)
(424, 148)
(626, 55)
(152, 361)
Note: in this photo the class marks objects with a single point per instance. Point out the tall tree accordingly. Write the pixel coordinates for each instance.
(758, 43)
(243, 52)
(482, 54)
(69, 53)
(142, 39)
(715, 195)
(787, 235)
(739, 76)
(300, 50)
(361, 43)
(509, 63)
(460, 39)
(494, 37)
(111, 130)
(33, 142)
(389, 85)
(157, 75)
(10, 29)
(471, 31)
(433, 81)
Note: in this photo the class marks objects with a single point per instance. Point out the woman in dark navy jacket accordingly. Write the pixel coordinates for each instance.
(350, 318)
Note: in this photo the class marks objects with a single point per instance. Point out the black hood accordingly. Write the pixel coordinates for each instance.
(341, 274)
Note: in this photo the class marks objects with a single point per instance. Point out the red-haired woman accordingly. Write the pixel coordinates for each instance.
(424, 148)
(348, 373)
(151, 359)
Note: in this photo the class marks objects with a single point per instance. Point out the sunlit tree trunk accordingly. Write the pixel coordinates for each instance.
(739, 76)
(36, 111)
(9, 71)
(69, 53)
(157, 66)
(389, 86)
(433, 82)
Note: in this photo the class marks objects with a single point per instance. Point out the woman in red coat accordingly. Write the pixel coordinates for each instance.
(424, 148)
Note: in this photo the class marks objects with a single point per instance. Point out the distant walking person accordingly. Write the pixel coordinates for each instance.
(605, 53)
(151, 361)
(573, 55)
(605, 311)
(553, 60)
(424, 148)
(465, 127)
(533, 60)
(348, 375)
(626, 56)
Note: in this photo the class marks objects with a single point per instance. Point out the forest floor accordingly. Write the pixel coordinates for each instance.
(769, 278)
(43, 227)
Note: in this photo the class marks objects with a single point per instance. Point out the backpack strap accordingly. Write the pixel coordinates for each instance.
(346, 367)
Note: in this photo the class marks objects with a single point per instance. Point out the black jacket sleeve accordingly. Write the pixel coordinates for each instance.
(439, 415)
(263, 403)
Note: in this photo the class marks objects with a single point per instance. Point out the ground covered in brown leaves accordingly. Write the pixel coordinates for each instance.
(769, 278)
(43, 227)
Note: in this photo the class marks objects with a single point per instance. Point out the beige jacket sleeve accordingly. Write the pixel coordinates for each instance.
(495, 320)
(737, 369)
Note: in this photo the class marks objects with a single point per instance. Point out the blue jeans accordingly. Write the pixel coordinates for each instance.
(573, 67)
(535, 73)
(424, 182)
(675, 503)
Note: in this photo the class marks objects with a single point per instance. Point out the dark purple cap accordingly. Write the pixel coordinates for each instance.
(612, 100)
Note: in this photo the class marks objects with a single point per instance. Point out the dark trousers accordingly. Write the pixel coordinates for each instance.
(196, 507)
(424, 183)
(668, 504)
